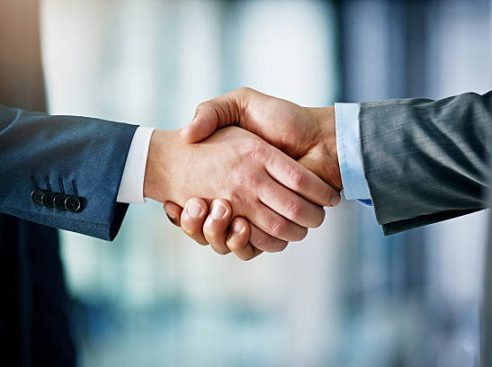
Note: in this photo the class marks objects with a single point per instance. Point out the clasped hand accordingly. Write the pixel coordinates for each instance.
(250, 187)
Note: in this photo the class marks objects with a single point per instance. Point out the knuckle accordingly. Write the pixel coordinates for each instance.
(211, 233)
(260, 242)
(239, 197)
(248, 177)
(201, 107)
(298, 178)
(256, 151)
(294, 210)
(279, 227)
(259, 239)
(194, 233)
(236, 243)
(191, 231)
(244, 90)
(253, 179)
(257, 154)
(236, 198)
(223, 203)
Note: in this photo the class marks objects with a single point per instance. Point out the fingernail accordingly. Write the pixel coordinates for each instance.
(336, 200)
(194, 210)
(237, 227)
(218, 210)
(172, 218)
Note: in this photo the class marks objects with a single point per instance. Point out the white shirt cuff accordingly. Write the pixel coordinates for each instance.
(131, 189)
(355, 185)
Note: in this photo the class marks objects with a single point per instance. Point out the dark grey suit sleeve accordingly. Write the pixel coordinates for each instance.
(424, 160)
(66, 156)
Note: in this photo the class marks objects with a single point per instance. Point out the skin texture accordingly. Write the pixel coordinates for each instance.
(305, 134)
(277, 195)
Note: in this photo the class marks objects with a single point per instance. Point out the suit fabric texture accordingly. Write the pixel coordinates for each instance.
(41, 150)
(69, 155)
(426, 161)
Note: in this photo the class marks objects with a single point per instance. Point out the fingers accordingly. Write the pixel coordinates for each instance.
(216, 226)
(245, 240)
(173, 212)
(238, 240)
(192, 219)
(264, 242)
(237, 235)
(275, 225)
(291, 205)
(293, 175)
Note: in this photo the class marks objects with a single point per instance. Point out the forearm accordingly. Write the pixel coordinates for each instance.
(64, 155)
(426, 160)
(327, 165)
(164, 152)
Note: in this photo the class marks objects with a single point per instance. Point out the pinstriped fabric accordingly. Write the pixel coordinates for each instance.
(426, 161)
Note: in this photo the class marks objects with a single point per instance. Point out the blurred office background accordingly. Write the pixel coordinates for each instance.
(345, 296)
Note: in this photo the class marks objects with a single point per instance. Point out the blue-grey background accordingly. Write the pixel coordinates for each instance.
(345, 296)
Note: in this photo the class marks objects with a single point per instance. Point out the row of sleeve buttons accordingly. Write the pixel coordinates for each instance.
(57, 200)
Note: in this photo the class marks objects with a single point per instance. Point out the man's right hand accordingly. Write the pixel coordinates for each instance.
(276, 194)
(306, 134)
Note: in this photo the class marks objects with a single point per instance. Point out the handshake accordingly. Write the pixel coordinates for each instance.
(249, 174)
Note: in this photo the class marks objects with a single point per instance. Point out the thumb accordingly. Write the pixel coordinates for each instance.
(210, 116)
(203, 124)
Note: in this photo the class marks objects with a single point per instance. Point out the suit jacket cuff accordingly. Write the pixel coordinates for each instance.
(63, 171)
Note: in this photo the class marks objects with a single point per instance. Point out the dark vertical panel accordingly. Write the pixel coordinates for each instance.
(21, 77)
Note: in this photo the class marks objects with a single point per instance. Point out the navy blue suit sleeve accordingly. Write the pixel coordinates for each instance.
(65, 156)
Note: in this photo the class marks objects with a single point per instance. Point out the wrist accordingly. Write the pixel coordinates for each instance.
(327, 143)
(158, 172)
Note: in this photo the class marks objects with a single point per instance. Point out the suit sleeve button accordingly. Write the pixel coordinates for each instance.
(48, 199)
(37, 196)
(73, 203)
(59, 202)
